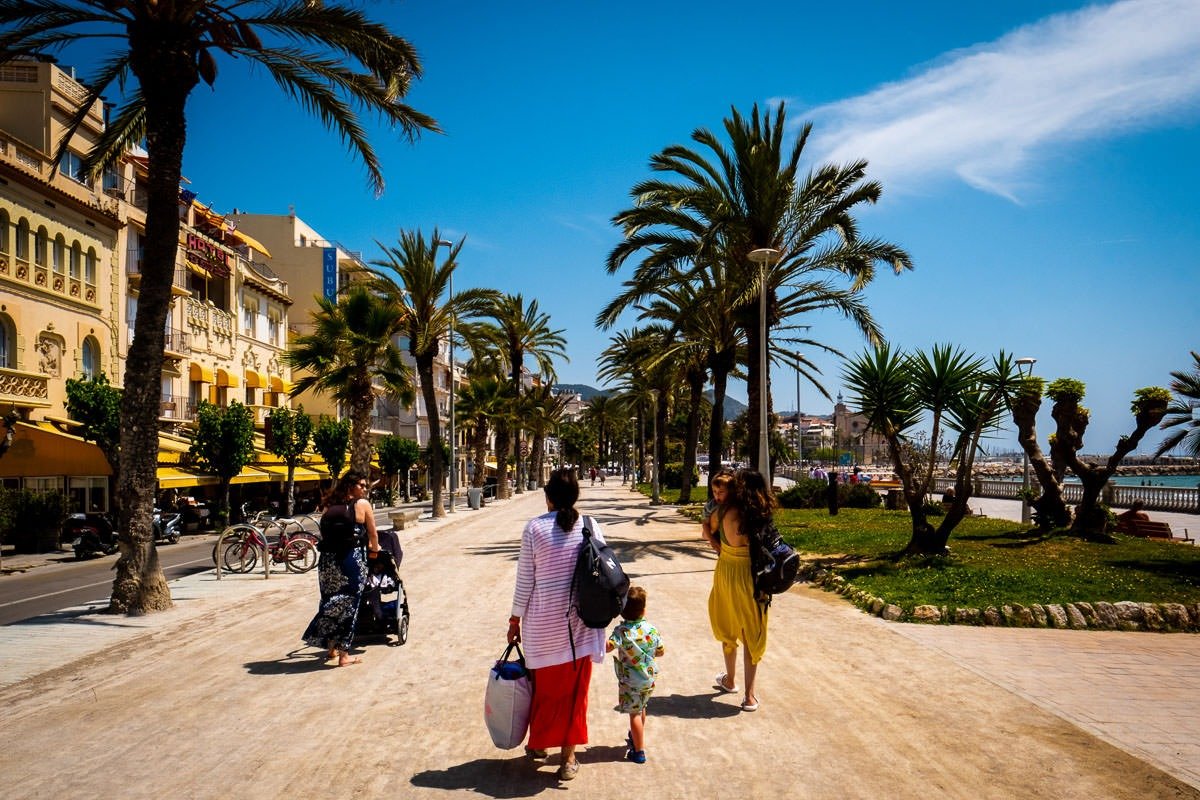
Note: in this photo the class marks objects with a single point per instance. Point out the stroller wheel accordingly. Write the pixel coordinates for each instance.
(402, 630)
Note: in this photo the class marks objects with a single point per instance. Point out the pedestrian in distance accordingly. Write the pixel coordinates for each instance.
(342, 569)
(559, 648)
(636, 646)
(736, 616)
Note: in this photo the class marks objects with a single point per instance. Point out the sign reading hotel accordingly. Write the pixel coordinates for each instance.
(329, 283)
(207, 255)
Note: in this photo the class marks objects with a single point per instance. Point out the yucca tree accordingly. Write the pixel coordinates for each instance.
(411, 278)
(521, 330)
(1181, 412)
(352, 356)
(730, 200)
(328, 57)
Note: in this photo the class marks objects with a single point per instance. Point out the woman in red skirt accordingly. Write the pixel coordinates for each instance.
(558, 647)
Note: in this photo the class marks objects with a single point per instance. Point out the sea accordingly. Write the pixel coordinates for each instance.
(1180, 481)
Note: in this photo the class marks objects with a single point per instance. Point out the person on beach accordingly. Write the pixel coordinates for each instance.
(734, 612)
(719, 484)
(635, 645)
(342, 571)
(559, 648)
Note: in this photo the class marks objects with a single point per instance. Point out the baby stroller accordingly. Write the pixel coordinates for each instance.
(380, 614)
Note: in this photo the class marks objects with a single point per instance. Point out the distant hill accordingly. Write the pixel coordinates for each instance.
(733, 407)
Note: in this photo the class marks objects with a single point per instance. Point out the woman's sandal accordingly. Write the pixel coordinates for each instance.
(719, 684)
(748, 706)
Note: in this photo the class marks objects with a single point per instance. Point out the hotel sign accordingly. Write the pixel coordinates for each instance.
(329, 273)
(204, 253)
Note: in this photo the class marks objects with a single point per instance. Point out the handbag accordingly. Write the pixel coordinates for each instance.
(507, 699)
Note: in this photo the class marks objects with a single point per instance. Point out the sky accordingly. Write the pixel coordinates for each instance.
(1038, 162)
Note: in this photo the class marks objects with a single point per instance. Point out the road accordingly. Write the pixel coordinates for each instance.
(66, 583)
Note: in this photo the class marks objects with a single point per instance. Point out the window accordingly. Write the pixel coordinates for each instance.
(74, 257)
(88, 494)
(273, 330)
(8, 343)
(72, 166)
(90, 356)
(4, 225)
(89, 267)
(249, 315)
(58, 254)
(23, 240)
(39, 246)
(112, 179)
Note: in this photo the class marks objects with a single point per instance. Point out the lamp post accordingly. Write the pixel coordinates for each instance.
(453, 456)
(654, 497)
(633, 446)
(1025, 370)
(764, 257)
(799, 432)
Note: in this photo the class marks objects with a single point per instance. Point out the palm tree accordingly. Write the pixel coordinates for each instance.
(1181, 412)
(418, 288)
(545, 411)
(752, 196)
(598, 412)
(351, 347)
(522, 330)
(478, 404)
(168, 48)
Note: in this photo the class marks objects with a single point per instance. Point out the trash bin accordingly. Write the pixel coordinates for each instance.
(894, 500)
(474, 498)
(531, 484)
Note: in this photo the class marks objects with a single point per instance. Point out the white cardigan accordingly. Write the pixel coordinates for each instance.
(543, 591)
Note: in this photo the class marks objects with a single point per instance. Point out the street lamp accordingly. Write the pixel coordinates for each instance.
(799, 432)
(764, 257)
(1025, 370)
(654, 497)
(453, 456)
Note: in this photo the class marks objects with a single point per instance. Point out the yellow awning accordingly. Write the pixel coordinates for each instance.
(252, 242)
(200, 373)
(43, 450)
(279, 384)
(173, 478)
(254, 380)
(250, 475)
(225, 378)
(218, 221)
(278, 472)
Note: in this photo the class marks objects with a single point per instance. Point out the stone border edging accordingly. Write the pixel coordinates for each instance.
(1120, 616)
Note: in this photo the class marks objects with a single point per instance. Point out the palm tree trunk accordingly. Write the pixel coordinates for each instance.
(696, 383)
(436, 467)
(360, 431)
(139, 585)
(503, 443)
(716, 423)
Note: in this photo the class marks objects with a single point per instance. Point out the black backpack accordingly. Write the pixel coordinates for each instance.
(773, 562)
(339, 533)
(599, 585)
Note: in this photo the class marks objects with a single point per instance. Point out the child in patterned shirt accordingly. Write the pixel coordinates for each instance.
(635, 644)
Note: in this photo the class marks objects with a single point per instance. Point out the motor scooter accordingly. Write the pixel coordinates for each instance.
(91, 535)
(167, 526)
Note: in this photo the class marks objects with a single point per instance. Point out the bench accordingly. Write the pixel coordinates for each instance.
(405, 517)
(1155, 530)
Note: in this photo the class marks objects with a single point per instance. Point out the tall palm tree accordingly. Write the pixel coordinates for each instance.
(544, 414)
(168, 47)
(521, 330)
(1181, 412)
(352, 346)
(751, 196)
(478, 405)
(598, 412)
(417, 289)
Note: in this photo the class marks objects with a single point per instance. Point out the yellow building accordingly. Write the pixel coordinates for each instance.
(70, 267)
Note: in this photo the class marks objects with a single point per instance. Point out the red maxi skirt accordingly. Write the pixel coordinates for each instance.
(558, 712)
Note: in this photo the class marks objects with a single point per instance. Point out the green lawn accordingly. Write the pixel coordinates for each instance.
(991, 563)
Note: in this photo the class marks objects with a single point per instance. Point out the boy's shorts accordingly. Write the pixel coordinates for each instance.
(632, 700)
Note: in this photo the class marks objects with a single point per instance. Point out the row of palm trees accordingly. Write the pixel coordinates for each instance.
(355, 353)
(697, 291)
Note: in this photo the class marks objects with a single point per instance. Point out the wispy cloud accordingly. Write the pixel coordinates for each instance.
(988, 113)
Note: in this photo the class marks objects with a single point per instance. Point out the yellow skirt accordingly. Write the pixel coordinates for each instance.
(732, 611)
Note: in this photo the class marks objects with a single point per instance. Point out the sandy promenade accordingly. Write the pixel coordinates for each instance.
(219, 699)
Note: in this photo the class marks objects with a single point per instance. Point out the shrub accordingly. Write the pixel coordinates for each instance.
(672, 475)
(33, 519)
(804, 493)
(858, 495)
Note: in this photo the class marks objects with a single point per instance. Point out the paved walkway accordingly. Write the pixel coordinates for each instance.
(217, 698)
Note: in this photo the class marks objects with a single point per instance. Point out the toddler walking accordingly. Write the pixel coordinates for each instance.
(635, 644)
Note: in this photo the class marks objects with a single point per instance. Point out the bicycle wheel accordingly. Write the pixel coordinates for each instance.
(240, 533)
(299, 555)
(240, 557)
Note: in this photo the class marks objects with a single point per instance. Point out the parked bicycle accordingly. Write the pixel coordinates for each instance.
(299, 524)
(239, 547)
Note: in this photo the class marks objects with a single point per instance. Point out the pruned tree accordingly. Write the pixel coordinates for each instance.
(223, 445)
(288, 433)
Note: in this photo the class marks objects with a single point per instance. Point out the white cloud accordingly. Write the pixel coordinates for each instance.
(987, 113)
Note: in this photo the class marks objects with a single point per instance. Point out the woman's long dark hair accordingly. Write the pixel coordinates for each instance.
(339, 495)
(562, 490)
(755, 502)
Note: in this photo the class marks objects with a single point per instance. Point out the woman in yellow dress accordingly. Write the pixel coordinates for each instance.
(745, 507)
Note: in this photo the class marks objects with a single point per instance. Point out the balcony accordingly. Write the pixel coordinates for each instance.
(175, 343)
(24, 389)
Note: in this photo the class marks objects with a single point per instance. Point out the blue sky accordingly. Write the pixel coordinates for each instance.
(1038, 159)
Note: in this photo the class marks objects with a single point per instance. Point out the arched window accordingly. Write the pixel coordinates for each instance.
(8, 343)
(4, 231)
(22, 247)
(89, 267)
(59, 253)
(73, 258)
(39, 247)
(91, 357)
